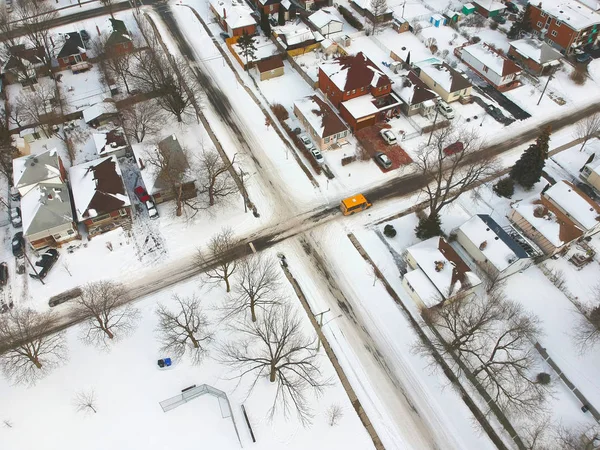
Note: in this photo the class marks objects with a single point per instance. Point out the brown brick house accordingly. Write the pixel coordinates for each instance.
(536, 56)
(99, 196)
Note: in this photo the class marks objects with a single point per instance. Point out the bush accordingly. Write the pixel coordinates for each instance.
(475, 39)
(494, 25)
(280, 112)
(505, 187)
(348, 159)
(433, 48)
(429, 227)
(350, 18)
(389, 231)
(579, 74)
(543, 378)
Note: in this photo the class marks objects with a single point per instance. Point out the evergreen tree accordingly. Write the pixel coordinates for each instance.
(429, 226)
(264, 24)
(528, 169)
(247, 47)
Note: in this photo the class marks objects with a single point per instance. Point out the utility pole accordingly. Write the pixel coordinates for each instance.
(320, 325)
(547, 83)
(437, 111)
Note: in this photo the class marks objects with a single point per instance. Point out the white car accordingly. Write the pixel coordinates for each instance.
(317, 155)
(15, 217)
(445, 109)
(388, 136)
(152, 211)
(306, 142)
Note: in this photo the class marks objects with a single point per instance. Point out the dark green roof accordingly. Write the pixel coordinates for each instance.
(119, 32)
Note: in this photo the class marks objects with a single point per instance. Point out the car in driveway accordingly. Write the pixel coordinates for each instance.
(15, 217)
(499, 19)
(316, 153)
(455, 148)
(45, 263)
(583, 58)
(495, 112)
(445, 109)
(151, 207)
(15, 195)
(17, 244)
(306, 142)
(141, 193)
(587, 190)
(388, 136)
(85, 36)
(383, 160)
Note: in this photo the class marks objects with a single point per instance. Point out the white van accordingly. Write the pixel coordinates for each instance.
(445, 109)
(388, 136)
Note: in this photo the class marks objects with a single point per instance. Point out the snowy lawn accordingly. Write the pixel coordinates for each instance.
(286, 89)
(128, 387)
(82, 90)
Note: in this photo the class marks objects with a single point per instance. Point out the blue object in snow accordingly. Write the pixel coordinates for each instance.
(167, 362)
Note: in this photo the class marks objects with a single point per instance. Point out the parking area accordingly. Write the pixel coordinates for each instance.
(372, 142)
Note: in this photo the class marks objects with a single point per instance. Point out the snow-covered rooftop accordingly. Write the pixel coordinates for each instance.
(109, 141)
(495, 62)
(424, 288)
(237, 14)
(32, 169)
(443, 266)
(490, 5)
(320, 116)
(98, 188)
(367, 5)
(535, 50)
(575, 14)
(353, 72)
(445, 76)
(578, 206)
(44, 207)
(497, 246)
(97, 110)
(414, 91)
(367, 104)
(321, 18)
(292, 34)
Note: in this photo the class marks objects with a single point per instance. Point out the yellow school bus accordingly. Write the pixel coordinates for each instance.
(354, 204)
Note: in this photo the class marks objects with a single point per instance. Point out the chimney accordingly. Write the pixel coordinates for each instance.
(224, 14)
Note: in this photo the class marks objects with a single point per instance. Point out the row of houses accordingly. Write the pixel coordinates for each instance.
(543, 224)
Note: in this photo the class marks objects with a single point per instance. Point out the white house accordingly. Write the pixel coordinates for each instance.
(326, 22)
(31, 170)
(438, 273)
(499, 253)
(582, 210)
(495, 68)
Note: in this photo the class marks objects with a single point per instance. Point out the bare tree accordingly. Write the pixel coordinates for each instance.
(184, 329)
(107, 317)
(7, 149)
(587, 328)
(8, 29)
(219, 256)
(587, 128)
(334, 414)
(451, 171)
(30, 348)
(142, 119)
(215, 180)
(33, 17)
(174, 172)
(256, 286)
(378, 9)
(535, 436)
(85, 401)
(584, 437)
(37, 108)
(275, 346)
(109, 5)
(494, 337)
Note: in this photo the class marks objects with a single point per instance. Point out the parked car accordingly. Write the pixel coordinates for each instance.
(15, 195)
(141, 193)
(273, 21)
(316, 153)
(151, 207)
(499, 19)
(224, 36)
(452, 149)
(388, 136)
(583, 58)
(308, 145)
(587, 190)
(64, 297)
(445, 109)
(3, 274)
(512, 7)
(17, 244)
(383, 160)
(496, 113)
(45, 263)
(15, 217)
(84, 35)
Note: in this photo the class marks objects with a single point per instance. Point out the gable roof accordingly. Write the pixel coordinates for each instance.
(443, 266)
(267, 64)
(44, 207)
(414, 91)
(496, 245)
(577, 206)
(73, 45)
(99, 109)
(20, 56)
(97, 188)
(32, 169)
(490, 5)
(321, 117)
(538, 51)
(449, 79)
(321, 18)
(490, 57)
(353, 72)
(118, 32)
(110, 141)
(235, 13)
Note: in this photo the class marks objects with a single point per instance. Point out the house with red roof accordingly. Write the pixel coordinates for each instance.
(320, 120)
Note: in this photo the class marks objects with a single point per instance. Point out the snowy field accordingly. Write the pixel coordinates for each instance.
(128, 387)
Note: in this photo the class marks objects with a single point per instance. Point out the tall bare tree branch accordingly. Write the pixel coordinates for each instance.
(215, 180)
(219, 255)
(587, 128)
